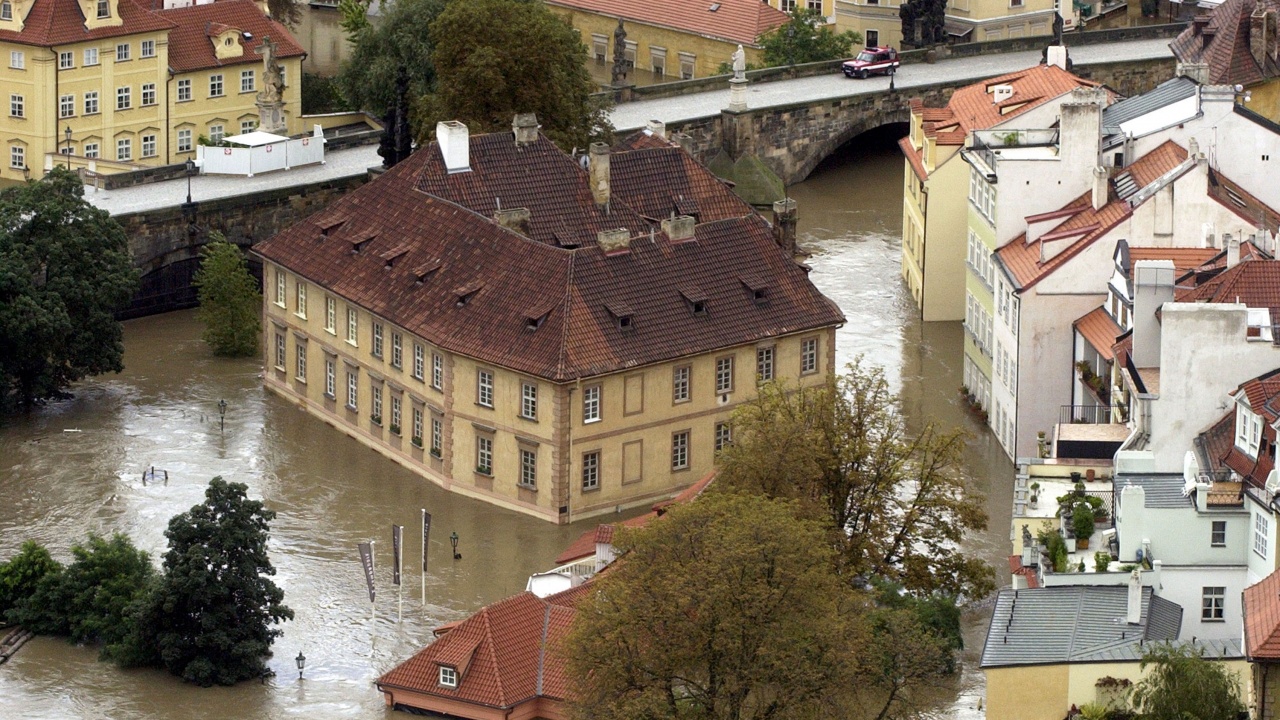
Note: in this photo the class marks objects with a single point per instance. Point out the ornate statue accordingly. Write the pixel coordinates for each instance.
(272, 75)
(1058, 25)
(619, 54)
(739, 64)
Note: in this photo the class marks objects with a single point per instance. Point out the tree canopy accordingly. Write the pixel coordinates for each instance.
(806, 38)
(229, 299)
(22, 573)
(496, 58)
(1182, 685)
(65, 270)
(211, 617)
(894, 501)
(402, 38)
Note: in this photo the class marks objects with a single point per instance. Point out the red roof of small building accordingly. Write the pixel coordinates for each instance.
(1262, 619)
(739, 21)
(1184, 259)
(190, 47)
(1255, 283)
(1221, 40)
(1100, 330)
(1017, 568)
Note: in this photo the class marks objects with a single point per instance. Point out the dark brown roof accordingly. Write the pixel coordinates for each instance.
(511, 276)
(61, 22)
(1243, 203)
(661, 182)
(1100, 330)
(190, 47)
(1221, 41)
(1262, 619)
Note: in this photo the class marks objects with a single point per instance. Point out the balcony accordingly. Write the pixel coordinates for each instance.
(1088, 432)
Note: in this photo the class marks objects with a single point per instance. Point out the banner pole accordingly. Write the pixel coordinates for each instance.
(373, 562)
(400, 572)
(424, 558)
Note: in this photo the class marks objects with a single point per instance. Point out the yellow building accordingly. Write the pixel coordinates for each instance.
(135, 85)
(984, 20)
(876, 20)
(670, 39)
(554, 340)
(1236, 44)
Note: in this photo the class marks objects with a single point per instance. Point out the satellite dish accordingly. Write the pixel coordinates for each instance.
(585, 162)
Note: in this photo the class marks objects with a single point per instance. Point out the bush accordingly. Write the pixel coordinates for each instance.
(1082, 521)
(1101, 561)
(20, 576)
(229, 299)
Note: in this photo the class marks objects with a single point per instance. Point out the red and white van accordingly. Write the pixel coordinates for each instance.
(883, 60)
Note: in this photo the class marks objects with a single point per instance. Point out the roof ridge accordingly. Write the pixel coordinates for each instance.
(566, 309)
(542, 646)
(493, 655)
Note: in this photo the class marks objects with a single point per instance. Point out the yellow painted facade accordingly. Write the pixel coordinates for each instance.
(876, 21)
(666, 52)
(934, 220)
(1264, 99)
(646, 445)
(121, 102)
(1002, 19)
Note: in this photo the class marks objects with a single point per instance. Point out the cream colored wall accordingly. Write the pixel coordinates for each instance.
(861, 16)
(1027, 693)
(945, 239)
(1002, 19)
(202, 112)
(558, 431)
(1083, 678)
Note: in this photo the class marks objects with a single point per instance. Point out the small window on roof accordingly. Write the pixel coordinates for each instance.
(696, 298)
(621, 312)
(448, 677)
(465, 294)
(534, 320)
(714, 7)
(699, 307)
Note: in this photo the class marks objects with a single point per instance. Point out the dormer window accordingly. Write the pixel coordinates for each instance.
(423, 272)
(465, 294)
(696, 298)
(622, 314)
(756, 286)
(6, 10)
(104, 9)
(1248, 430)
(699, 307)
(359, 242)
(448, 677)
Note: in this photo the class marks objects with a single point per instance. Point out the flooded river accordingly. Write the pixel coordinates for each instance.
(76, 467)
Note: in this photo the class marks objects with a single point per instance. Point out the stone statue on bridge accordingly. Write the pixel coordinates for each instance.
(270, 99)
(739, 64)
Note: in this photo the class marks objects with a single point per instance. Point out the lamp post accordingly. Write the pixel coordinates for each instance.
(67, 132)
(302, 663)
(191, 166)
(453, 540)
(222, 415)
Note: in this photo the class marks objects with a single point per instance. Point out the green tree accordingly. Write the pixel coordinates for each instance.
(229, 299)
(22, 573)
(210, 618)
(895, 502)
(727, 607)
(65, 270)
(806, 38)
(92, 597)
(321, 95)
(1182, 685)
(284, 11)
(496, 58)
(367, 79)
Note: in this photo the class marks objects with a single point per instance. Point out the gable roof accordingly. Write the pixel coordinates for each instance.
(1262, 619)
(191, 49)
(1184, 259)
(1169, 92)
(1099, 330)
(739, 21)
(1256, 284)
(1221, 41)
(61, 22)
(1235, 198)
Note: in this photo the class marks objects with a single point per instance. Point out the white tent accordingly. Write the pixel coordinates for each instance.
(255, 138)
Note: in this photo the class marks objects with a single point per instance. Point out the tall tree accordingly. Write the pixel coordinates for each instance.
(896, 502)
(210, 619)
(65, 270)
(401, 38)
(806, 38)
(496, 58)
(1181, 685)
(229, 299)
(22, 573)
(726, 608)
(923, 22)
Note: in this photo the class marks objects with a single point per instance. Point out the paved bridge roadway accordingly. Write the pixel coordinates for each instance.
(629, 116)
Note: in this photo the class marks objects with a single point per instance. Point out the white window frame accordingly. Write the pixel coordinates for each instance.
(591, 470)
(375, 401)
(680, 450)
(301, 366)
(123, 52)
(300, 288)
(280, 287)
(724, 436)
(330, 379)
(590, 404)
(484, 455)
(246, 81)
(148, 49)
(124, 148)
(353, 389)
(419, 358)
(529, 401)
(90, 57)
(148, 94)
(90, 150)
(724, 375)
(1213, 604)
(1261, 529)
(1218, 533)
(395, 413)
(416, 436)
(680, 384)
(484, 388)
(67, 106)
(377, 340)
(124, 98)
(353, 326)
(17, 105)
(66, 60)
(808, 356)
(281, 348)
(448, 677)
(437, 371)
(764, 364)
(91, 106)
(17, 60)
(184, 90)
(397, 349)
(216, 88)
(330, 315)
(17, 157)
(528, 468)
(437, 434)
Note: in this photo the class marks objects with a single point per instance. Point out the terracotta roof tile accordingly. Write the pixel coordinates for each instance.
(913, 158)
(1184, 259)
(1254, 283)
(1215, 443)
(1017, 568)
(739, 21)
(60, 22)
(1221, 41)
(1100, 330)
(1262, 619)
(660, 182)
(189, 44)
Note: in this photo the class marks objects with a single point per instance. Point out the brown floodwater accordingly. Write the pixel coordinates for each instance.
(76, 467)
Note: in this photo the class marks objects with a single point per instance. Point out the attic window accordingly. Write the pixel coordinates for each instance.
(359, 241)
(621, 312)
(448, 677)
(464, 294)
(714, 7)
(392, 255)
(759, 290)
(328, 226)
(424, 271)
(104, 9)
(1235, 197)
(696, 298)
(534, 319)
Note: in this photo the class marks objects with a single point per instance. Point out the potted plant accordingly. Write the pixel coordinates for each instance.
(484, 469)
(395, 429)
(417, 441)
(1082, 523)
(1035, 495)
(377, 419)
(435, 452)
(1101, 561)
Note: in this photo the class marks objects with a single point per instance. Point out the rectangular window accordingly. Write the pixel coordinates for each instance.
(66, 60)
(680, 384)
(484, 388)
(873, 36)
(280, 287)
(416, 436)
(330, 315)
(148, 146)
(328, 377)
(528, 469)
(395, 414)
(301, 292)
(375, 399)
(395, 349)
(67, 106)
(484, 455)
(280, 351)
(591, 404)
(724, 436)
(90, 56)
(184, 140)
(437, 371)
(124, 149)
(91, 150)
(377, 340)
(17, 59)
(122, 52)
(184, 90)
(246, 81)
(6, 10)
(17, 157)
(215, 85)
(353, 389)
(124, 98)
(590, 470)
(680, 450)
(104, 9)
(302, 362)
(352, 325)
(1260, 528)
(687, 63)
(248, 126)
(1218, 536)
(808, 356)
(419, 355)
(148, 48)
(91, 102)
(764, 364)
(148, 94)
(448, 677)
(17, 106)
(724, 375)
(1213, 604)
(437, 434)
(529, 401)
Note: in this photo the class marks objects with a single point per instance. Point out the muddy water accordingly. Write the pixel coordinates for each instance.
(77, 467)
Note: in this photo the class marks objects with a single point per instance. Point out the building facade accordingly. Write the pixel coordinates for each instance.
(986, 20)
(559, 354)
(134, 83)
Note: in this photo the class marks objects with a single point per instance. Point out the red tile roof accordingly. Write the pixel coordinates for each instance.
(1262, 619)
(1017, 568)
(739, 21)
(1184, 259)
(1243, 203)
(1099, 330)
(191, 49)
(61, 22)
(504, 654)
(1221, 41)
(913, 158)
(1255, 283)
(449, 251)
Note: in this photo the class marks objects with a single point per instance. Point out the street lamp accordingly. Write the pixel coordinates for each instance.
(302, 663)
(67, 132)
(191, 166)
(453, 540)
(222, 415)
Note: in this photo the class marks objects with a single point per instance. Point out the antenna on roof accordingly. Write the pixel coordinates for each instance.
(498, 200)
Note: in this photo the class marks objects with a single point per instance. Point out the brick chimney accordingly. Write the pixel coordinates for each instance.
(455, 146)
(1101, 185)
(525, 126)
(599, 170)
(784, 224)
(1262, 35)
(516, 219)
(678, 228)
(612, 241)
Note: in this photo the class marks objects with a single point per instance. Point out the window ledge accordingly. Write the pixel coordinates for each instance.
(680, 469)
(530, 488)
(330, 396)
(486, 407)
(352, 408)
(593, 421)
(526, 418)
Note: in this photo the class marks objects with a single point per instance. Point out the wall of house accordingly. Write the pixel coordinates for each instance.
(1002, 19)
(945, 240)
(1265, 680)
(1036, 692)
(862, 17)
(1083, 677)
(1261, 564)
(1265, 99)
(1185, 586)
(914, 198)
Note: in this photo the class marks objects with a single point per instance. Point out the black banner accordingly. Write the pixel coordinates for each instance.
(426, 537)
(397, 534)
(366, 559)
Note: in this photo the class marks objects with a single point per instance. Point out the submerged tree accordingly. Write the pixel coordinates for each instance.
(401, 38)
(229, 299)
(65, 271)
(22, 573)
(1182, 685)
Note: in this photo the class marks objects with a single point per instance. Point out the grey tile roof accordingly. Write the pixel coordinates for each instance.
(1164, 94)
(1164, 492)
(1074, 623)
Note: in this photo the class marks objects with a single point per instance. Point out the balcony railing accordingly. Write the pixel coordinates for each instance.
(1084, 414)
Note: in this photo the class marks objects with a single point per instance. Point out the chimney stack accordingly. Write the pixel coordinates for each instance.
(612, 241)
(684, 140)
(1262, 35)
(678, 228)
(599, 170)
(1233, 249)
(1196, 71)
(657, 127)
(1101, 186)
(455, 146)
(1152, 288)
(516, 219)
(784, 224)
(525, 126)
(1133, 614)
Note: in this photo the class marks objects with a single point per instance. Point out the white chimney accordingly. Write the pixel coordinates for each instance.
(657, 127)
(1233, 249)
(1133, 614)
(1152, 288)
(455, 146)
(1129, 524)
(1057, 55)
(1000, 93)
(599, 174)
(1100, 187)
